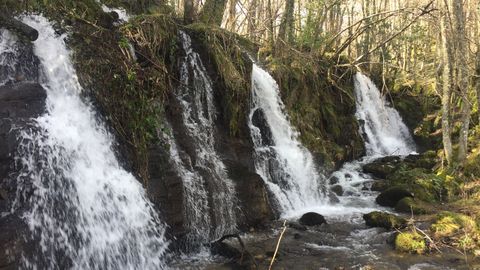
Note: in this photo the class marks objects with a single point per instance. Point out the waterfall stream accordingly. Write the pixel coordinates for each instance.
(209, 193)
(83, 209)
(286, 166)
(384, 132)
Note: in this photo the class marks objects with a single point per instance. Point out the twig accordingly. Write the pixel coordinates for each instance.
(278, 244)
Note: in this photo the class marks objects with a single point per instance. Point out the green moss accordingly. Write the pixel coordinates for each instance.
(425, 185)
(409, 205)
(449, 223)
(384, 220)
(226, 51)
(410, 242)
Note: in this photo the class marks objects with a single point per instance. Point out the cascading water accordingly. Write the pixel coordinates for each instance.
(210, 199)
(285, 165)
(17, 63)
(385, 132)
(83, 209)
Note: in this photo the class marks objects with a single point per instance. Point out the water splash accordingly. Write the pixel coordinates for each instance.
(385, 133)
(285, 165)
(83, 209)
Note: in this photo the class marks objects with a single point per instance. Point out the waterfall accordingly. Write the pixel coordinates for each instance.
(210, 199)
(17, 63)
(383, 128)
(384, 133)
(286, 166)
(84, 211)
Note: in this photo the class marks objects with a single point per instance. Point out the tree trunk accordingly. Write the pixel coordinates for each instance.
(212, 12)
(285, 32)
(462, 77)
(446, 92)
(188, 11)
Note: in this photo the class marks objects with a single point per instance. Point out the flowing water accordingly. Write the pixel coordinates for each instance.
(210, 200)
(384, 132)
(84, 211)
(285, 165)
(17, 62)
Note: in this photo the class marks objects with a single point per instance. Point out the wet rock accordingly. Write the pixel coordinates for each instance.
(379, 186)
(332, 197)
(384, 220)
(297, 236)
(333, 180)
(18, 27)
(379, 170)
(253, 195)
(391, 196)
(337, 189)
(258, 120)
(409, 205)
(312, 219)
(297, 226)
(225, 250)
(347, 175)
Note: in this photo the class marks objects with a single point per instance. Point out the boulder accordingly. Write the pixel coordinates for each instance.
(379, 186)
(379, 170)
(18, 27)
(333, 180)
(384, 220)
(312, 219)
(410, 205)
(391, 196)
(337, 189)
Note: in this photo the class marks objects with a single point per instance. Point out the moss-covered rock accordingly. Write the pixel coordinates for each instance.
(391, 196)
(410, 242)
(384, 220)
(410, 205)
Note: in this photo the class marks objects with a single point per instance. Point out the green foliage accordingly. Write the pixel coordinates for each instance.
(410, 242)
(458, 230)
(423, 184)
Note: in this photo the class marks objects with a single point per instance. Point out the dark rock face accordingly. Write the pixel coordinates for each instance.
(253, 195)
(18, 104)
(382, 167)
(18, 27)
(258, 120)
(384, 220)
(391, 196)
(312, 219)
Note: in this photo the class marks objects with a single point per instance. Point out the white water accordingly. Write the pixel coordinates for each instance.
(210, 199)
(84, 211)
(12, 71)
(8, 53)
(385, 133)
(285, 165)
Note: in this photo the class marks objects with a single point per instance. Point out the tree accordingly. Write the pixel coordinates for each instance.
(212, 12)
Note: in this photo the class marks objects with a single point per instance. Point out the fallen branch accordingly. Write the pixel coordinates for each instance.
(278, 244)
